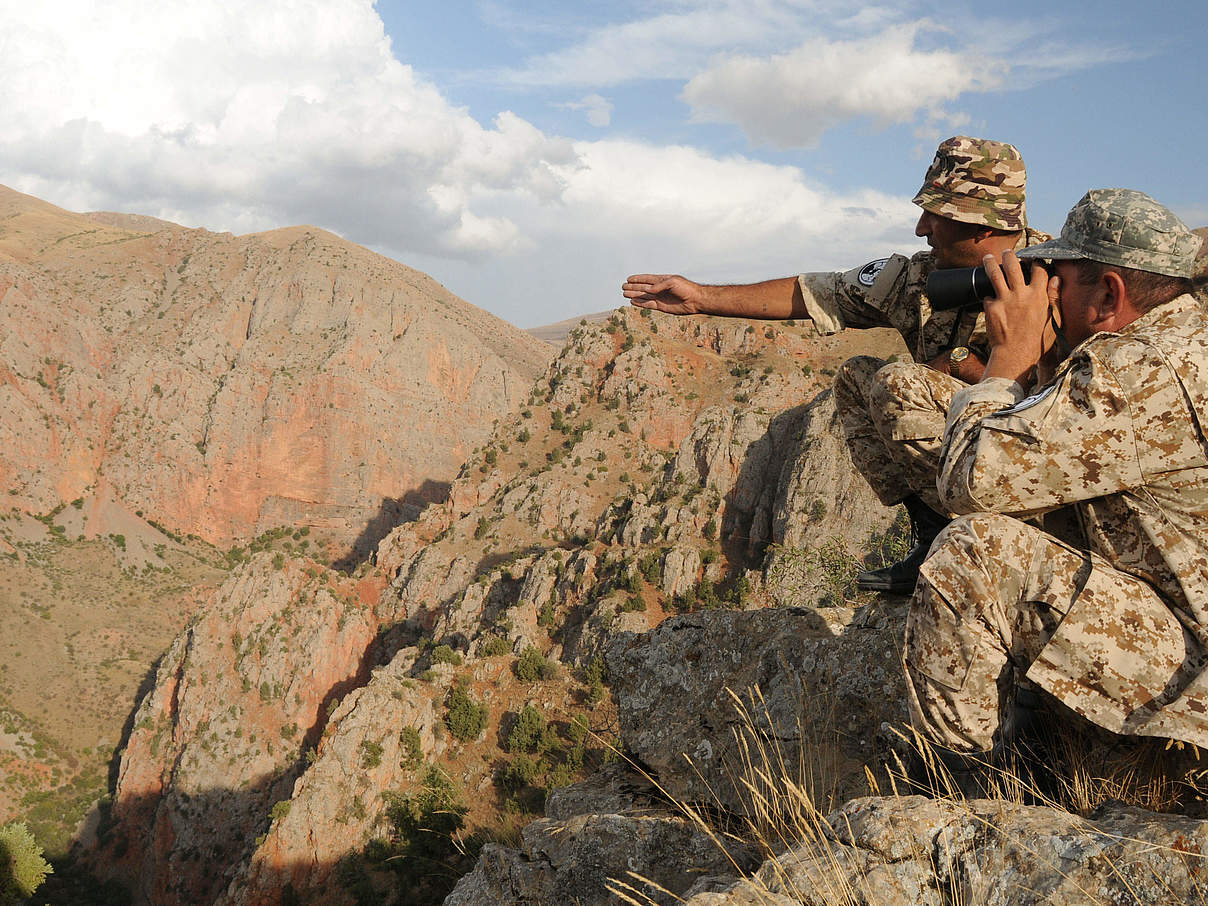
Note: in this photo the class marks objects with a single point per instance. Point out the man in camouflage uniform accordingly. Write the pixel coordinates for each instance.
(893, 415)
(1115, 624)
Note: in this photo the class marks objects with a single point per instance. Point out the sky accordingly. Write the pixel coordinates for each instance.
(531, 155)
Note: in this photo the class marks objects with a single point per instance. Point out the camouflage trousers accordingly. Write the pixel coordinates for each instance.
(999, 600)
(893, 416)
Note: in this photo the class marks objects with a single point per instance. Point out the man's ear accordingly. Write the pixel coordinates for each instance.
(1111, 307)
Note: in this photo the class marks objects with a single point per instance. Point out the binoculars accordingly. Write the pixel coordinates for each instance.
(965, 287)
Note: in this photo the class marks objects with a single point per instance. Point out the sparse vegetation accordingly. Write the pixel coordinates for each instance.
(533, 667)
(22, 868)
(465, 717)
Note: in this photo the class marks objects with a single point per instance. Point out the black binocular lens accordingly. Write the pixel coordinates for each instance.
(963, 287)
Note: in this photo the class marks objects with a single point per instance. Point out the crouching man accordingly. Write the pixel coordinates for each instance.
(1093, 400)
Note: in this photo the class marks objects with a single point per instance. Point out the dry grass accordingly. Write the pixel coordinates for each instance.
(788, 801)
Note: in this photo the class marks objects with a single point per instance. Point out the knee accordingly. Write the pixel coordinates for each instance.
(897, 382)
(853, 379)
(975, 530)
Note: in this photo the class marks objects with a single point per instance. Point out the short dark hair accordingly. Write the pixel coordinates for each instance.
(1146, 289)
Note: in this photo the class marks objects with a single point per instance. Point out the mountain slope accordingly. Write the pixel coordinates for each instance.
(225, 385)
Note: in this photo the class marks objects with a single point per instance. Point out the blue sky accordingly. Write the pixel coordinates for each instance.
(529, 156)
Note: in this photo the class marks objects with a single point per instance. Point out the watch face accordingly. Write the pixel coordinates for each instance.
(959, 354)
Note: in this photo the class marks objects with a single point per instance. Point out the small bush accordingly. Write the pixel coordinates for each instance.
(24, 867)
(532, 666)
(465, 717)
(494, 646)
(521, 771)
(371, 754)
(530, 732)
(411, 752)
(443, 654)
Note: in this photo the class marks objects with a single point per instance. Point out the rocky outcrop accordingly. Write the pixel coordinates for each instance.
(932, 852)
(226, 384)
(238, 700)
(695, 691)
(618, 493)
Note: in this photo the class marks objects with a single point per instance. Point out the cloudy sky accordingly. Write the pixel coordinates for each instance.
(530, 155)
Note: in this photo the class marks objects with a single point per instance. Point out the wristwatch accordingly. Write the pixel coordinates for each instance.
(955, 357)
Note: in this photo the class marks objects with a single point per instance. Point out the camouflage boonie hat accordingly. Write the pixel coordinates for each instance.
(1126, 228)
(975, 180)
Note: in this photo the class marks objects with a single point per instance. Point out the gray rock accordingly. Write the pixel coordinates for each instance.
(932, 852)
(583, 858)
(828, 680)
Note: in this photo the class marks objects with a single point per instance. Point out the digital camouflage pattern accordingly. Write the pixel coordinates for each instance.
(1126, 228)
(976, 180)
(1116, 435)
(893, 417)
(894, 427)
(989, 611)
(896, 297)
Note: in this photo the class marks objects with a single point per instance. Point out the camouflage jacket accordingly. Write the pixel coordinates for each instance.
(892, 292)
(1117, 435)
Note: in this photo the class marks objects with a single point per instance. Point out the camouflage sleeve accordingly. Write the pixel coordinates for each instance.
(860, 297)
(1071, 440)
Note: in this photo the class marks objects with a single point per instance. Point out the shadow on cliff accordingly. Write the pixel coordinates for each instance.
(747, 516)
(116, 871)
(392, 512)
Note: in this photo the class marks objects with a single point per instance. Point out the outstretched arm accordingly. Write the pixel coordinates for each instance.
(772, 299)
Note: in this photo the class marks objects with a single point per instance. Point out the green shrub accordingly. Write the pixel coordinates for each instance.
(464, 717)
(652, 569)
(495, 646)
(530, 732)
(371, 753)
(411, 752)
(423, 845)
(521, 771)
(443, 654)
(24, 868)
(532, 666)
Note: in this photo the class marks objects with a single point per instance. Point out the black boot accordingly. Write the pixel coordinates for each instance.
(899, 578)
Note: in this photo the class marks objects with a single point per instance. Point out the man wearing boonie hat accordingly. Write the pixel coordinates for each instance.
(893, 414)
(1092, 399)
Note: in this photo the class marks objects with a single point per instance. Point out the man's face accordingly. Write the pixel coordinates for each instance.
(954, 243)
(1074, 303)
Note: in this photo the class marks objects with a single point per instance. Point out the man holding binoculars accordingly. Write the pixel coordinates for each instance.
(893, 413)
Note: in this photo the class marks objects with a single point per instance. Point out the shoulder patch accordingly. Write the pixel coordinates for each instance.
(868, 273)
(1028, 402)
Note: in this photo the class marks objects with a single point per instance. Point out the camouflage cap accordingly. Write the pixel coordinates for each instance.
(975, 180)
(1126, 228)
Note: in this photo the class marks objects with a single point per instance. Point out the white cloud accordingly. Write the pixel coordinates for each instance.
(255, 115)
(597, 109)
(630, 207)
(670, 44)
(791, 99)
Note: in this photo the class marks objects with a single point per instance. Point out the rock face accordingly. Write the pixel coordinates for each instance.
(926, 852)
(227, 384)
(642, 474)
(827, 680)
(222, 735)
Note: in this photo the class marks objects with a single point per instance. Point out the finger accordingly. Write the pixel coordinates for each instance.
(646, 278)
(1012, 271)
(994, 272)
